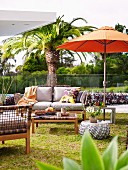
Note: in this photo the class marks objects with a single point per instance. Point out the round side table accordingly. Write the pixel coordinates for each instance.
(100, 130)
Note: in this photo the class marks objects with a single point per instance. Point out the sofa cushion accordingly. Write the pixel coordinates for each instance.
(44, 94)
(79, 96)
(83, 97)
(41, 105)
(72, 92)
(69, 106)
(59, 92)
(67, 99)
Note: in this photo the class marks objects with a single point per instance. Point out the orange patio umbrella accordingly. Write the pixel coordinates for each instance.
(103, 40)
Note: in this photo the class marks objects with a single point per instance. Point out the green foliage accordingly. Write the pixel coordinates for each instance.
(89, 69)
(119, 63)
(120, 28)
(92, 112)
(126, 83)
(111, 89)
(126, 89)
(6, 85)
(91, 158)
(88, 82)
(46, 166)
(63, 70)
(116, 63)
(43, 39)
(81, 69)
(33, 63)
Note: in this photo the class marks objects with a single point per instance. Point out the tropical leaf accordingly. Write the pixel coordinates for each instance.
(44, 166)
(124, 168)
(122, 161)
(110, 155)
(91, 159)
(70, 164)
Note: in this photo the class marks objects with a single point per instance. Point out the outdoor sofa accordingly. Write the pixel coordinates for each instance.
(87, 99)
(52, 97)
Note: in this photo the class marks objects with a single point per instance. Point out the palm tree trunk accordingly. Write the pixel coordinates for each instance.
(52, 59)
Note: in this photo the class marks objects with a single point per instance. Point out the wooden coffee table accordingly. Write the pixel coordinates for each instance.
(71, 118)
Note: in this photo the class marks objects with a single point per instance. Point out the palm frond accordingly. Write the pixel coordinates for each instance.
(76, 19)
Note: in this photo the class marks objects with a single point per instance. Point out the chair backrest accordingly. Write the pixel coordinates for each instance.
(15, 119)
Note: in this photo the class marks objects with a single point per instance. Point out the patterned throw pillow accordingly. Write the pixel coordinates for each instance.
(75, 93)
(67, 99)
(79, 96)
(68, 92)
(83, 97)
(10, 100)
(72, 92)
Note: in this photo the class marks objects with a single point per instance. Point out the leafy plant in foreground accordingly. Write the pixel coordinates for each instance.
(91, 158)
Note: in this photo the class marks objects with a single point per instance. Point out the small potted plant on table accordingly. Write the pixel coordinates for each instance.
(93, 114)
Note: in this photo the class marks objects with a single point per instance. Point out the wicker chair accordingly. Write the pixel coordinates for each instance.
(15, 123)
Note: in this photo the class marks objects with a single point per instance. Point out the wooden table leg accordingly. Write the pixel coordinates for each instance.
(76, 126)
(32, 125)
(104, 114)
(84, 113)
(112, 116)
(36, 124)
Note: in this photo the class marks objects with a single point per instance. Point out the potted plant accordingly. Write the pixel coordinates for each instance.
(92, 113)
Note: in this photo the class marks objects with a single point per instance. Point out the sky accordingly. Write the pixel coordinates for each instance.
(98, 13)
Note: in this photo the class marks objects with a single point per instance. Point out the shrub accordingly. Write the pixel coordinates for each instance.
(126, 89)
(91, 158)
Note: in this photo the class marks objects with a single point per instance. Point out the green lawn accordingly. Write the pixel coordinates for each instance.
(51, 142)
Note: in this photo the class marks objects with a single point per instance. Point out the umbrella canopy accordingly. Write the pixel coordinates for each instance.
(103, 40)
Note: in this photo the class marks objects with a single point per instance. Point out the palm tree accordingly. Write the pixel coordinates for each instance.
(45, 40)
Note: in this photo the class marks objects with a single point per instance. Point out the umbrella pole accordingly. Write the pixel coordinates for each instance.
(104, 83)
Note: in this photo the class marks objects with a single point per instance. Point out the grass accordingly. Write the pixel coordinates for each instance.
(53, 141)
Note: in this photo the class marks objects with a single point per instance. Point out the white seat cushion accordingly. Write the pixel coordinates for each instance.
(69, 106)
(41, 105)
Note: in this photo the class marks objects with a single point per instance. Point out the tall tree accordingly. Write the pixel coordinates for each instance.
(46, 39)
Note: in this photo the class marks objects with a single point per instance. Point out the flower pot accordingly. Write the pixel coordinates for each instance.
(93, 119)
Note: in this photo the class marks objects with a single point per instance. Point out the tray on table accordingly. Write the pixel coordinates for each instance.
(43, 113)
